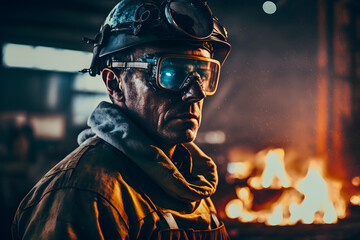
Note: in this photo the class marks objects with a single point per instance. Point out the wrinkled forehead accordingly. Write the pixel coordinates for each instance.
(158, 49)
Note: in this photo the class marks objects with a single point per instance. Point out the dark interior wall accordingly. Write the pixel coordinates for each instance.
(268, 84)
(267, 93)
(28, 90)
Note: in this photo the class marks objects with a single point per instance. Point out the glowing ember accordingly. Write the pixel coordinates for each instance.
(356, 181)
(355, 200)
(309, 198)
(245, 196)
(234, 208)
(239, 169)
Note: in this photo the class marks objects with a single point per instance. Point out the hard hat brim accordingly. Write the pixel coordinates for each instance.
(221, 49)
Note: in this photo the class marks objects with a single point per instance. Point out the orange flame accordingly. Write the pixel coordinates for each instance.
(318, 202)
(274, 174)
(310, 199)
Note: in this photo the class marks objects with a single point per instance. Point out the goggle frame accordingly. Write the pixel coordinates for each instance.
(154, 65)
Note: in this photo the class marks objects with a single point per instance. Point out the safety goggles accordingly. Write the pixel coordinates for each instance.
(192, 17)
(176, 72)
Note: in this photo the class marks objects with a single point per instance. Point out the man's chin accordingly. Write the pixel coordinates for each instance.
(190, 135)
(185, 136)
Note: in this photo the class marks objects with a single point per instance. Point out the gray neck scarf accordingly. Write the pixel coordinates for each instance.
(112, 125)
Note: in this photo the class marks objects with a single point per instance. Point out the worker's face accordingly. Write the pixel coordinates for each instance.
(168, 117)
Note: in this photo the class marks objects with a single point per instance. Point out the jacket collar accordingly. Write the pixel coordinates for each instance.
(112, 125)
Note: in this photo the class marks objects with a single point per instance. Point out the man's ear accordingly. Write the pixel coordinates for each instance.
(113, 83)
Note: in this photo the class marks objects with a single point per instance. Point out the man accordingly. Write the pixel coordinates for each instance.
(136, 173)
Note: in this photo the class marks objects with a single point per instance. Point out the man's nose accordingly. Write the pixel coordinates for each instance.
(194, 92)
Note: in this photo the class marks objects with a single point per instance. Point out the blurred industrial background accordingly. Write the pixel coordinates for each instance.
(292, 82)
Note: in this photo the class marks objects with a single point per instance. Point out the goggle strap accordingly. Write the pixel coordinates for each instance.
(144, 65)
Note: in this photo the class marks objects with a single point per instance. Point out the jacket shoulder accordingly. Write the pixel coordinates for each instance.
(60, 176)
(98, 168)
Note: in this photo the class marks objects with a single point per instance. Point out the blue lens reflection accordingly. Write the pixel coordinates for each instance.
(174, 71)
